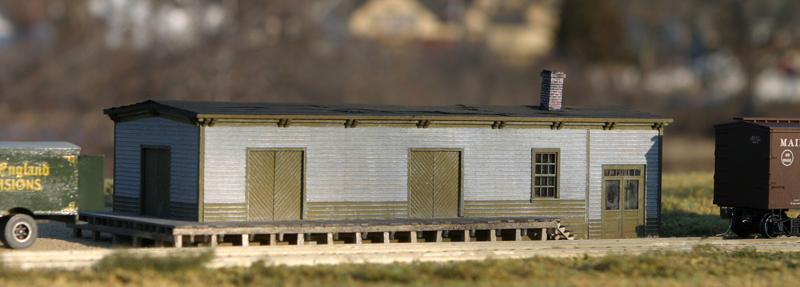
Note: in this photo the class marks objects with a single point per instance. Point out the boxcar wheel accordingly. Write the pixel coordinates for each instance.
(769, 226)
(19, 231)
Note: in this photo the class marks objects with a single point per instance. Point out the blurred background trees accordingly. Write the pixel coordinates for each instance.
(699, 61)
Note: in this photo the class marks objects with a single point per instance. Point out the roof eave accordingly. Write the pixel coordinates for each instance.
(149, 109)
(433, 117)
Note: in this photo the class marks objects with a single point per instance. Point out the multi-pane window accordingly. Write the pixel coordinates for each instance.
(545, 173)
(622, 172)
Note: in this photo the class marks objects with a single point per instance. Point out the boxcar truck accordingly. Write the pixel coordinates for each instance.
(45, 181)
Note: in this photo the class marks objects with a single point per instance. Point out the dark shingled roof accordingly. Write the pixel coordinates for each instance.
(197, 109)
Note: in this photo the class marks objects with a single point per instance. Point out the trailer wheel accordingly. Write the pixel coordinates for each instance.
(19, 231)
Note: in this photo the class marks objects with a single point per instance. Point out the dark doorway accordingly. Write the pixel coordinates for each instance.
(154, 198)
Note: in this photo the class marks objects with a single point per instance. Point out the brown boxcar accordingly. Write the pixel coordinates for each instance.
(756, 175)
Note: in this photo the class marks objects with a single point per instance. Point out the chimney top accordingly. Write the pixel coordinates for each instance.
(552, 86)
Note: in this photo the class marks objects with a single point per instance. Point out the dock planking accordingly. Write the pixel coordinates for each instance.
(179, 233)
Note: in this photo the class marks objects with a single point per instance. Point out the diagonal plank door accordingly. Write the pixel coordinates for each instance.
(274, 185)
(260, 185)
(434, 184)
(447, 182)
(420, 184)
(288, 185)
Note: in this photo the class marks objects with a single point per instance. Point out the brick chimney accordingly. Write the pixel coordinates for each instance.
(552, 85)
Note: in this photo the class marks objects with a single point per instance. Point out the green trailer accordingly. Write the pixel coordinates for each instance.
(45, 181)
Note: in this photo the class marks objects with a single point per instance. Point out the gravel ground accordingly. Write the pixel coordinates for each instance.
(55, 235)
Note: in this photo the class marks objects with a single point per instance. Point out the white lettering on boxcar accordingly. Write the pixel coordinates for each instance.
(787, 157)
(790, 142)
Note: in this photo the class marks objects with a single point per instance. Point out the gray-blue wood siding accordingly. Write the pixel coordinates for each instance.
(184, 142)
(624, 147)
(370, 164)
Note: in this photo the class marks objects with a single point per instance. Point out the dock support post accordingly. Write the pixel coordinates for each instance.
(413, 236)
(543, 234)
(214, 240)
(136, 241)
(178, 241)
(438, 236)
(245, 240)
(272, 240)
(358, 237)
(386, 237)
(466, 235)
(492, 235)
(329, 238)
(301, 239)
(517, 235)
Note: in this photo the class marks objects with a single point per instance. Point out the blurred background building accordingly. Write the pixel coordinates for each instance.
(701, 62)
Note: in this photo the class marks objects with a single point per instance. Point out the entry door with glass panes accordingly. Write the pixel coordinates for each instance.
(623, 201)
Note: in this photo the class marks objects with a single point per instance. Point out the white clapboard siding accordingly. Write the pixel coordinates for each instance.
(183, 140)
(624, 147)
(369, 164)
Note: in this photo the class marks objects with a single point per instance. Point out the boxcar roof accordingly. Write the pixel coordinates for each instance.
(762, 123)
(195, 110)
(37, 145)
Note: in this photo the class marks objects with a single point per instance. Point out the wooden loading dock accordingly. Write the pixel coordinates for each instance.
(179, 233)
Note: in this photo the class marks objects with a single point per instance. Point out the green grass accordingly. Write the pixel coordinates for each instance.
(703, 266)
(127, 261)
(687, 205)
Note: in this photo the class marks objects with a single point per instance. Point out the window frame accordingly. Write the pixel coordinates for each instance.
(557, 175)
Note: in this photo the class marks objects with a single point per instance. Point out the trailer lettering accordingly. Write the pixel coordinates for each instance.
(21, 184)
(24, 170)
(17, 177)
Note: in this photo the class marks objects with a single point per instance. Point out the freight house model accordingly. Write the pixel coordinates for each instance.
(597, 168)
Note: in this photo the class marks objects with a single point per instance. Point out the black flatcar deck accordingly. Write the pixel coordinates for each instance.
(245, 233)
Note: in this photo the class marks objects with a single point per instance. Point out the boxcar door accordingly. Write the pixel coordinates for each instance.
(623, 201)
(434, 184)
(274, 185)
(155, 181)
